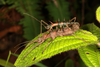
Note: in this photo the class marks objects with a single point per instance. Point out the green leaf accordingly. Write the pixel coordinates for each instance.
(93, 29)
(3, 62)
(58, 45)
(59, 9)
(2, 2)
(98, 14)
(90, 55)
(81, 63)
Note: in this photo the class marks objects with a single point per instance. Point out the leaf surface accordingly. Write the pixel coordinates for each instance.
(58, 45)
(91, 54)
(98, 14)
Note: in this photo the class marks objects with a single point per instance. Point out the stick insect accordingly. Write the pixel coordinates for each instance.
(57, 33)
(49, 27)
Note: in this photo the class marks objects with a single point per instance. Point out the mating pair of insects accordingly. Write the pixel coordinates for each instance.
(66, 28)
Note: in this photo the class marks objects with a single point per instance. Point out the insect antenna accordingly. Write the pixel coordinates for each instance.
(31, 16)
(80, 38)
(50, 22)
(19, 48)
(22, 43)
(37, 19)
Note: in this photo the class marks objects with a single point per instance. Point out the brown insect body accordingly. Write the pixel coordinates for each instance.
(65, 31)
(53, 34)
(60, 32)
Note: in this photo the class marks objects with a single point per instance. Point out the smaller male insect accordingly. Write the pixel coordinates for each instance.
(49, 27)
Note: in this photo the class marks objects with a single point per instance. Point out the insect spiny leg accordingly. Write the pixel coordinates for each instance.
(31, 50)
(22, 43)
(19, 48)
(84, 32)
(50, 22)
(47, 45)
(73, 19)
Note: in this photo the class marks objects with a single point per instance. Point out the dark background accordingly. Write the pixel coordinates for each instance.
(14, 29)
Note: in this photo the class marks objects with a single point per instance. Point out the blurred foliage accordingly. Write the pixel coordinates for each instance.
(52, 10)
(3, 63)
(98, 14)
(58, 9)
(69, 63)
(30, 25)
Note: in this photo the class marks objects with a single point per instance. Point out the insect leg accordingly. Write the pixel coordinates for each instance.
(37, 19)
(43, 24)
(30, 44)
(31, 49)
(22, 43)
(73, 19)
(41, 29)
(50, 22)
(19, 48)
(47, 45)
(84, 32)
(80, 38)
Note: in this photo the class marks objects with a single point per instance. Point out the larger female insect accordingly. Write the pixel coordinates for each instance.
(50, 27)
(57, 33)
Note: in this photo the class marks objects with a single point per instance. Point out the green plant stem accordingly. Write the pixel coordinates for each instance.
(40, 65)
(8, 58)
(15, 54)
(3, 62)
